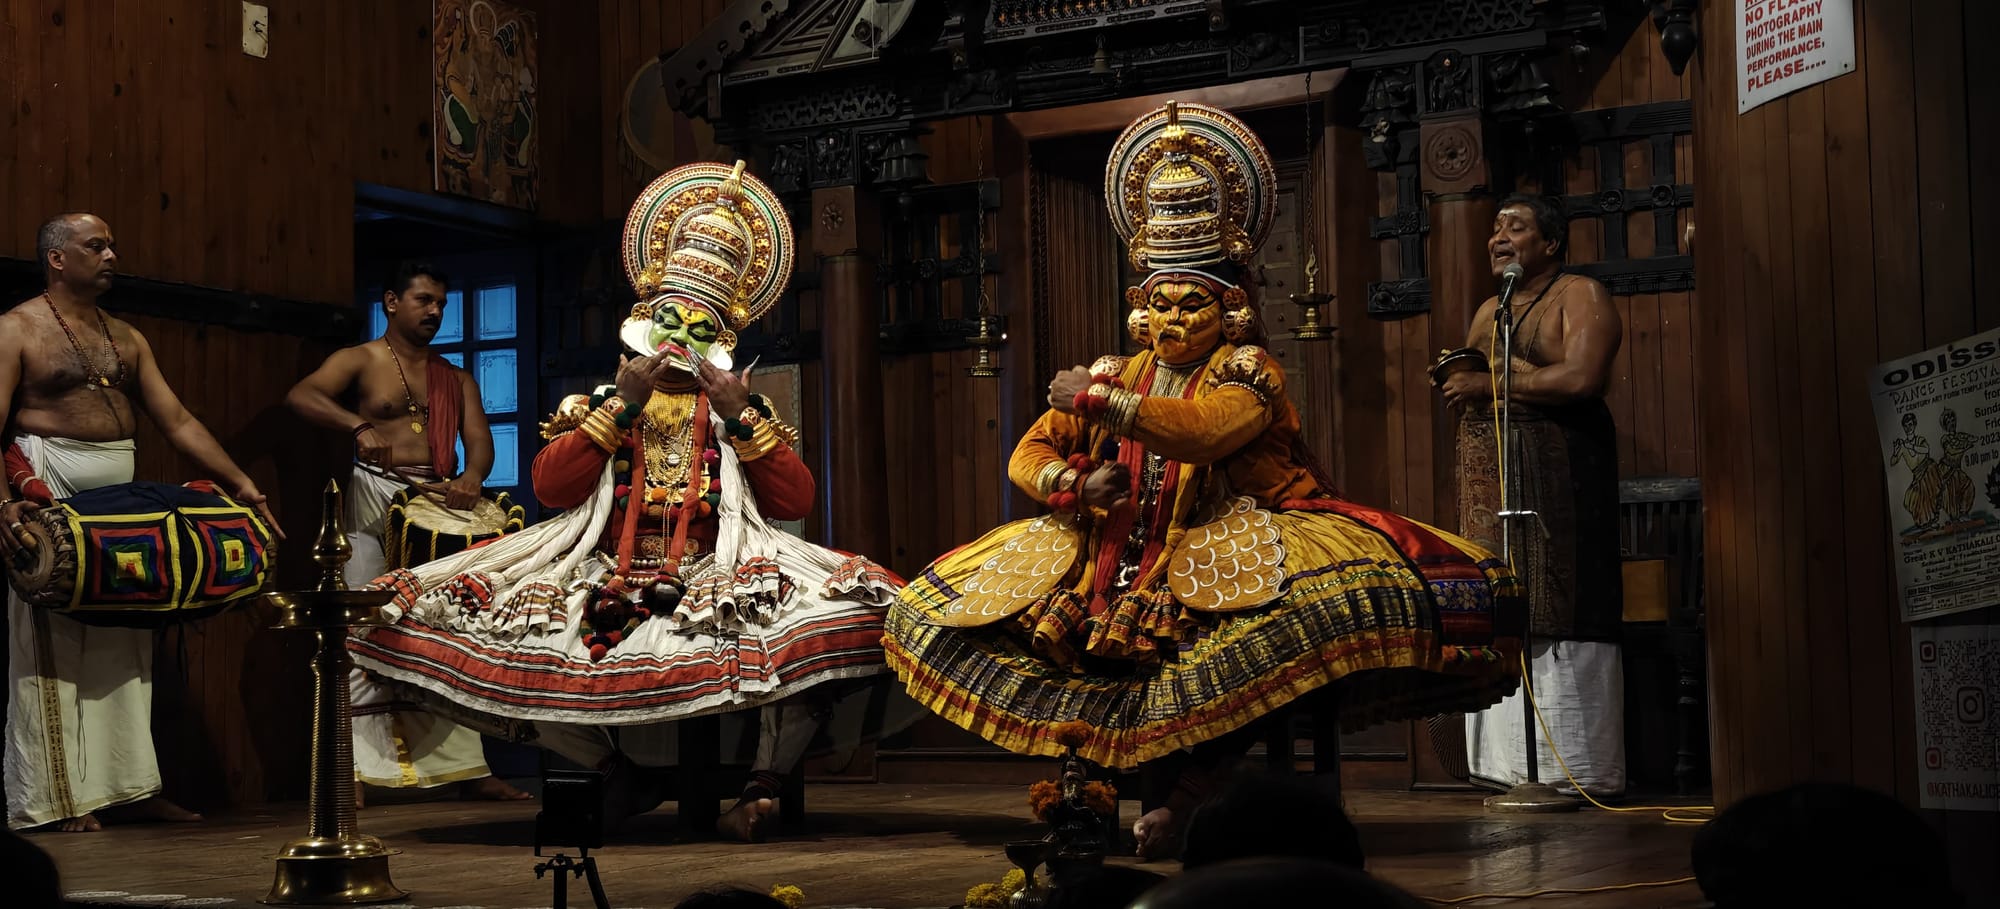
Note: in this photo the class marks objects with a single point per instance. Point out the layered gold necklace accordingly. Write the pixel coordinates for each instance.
(667, 432)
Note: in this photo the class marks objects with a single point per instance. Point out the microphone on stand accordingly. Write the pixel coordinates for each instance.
(1531, 795)
(1510, 276)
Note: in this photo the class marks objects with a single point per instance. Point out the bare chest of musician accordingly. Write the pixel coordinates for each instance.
(61, 396)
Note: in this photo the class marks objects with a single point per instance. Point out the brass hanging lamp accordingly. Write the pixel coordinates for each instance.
(988, 331)
(1310, 328)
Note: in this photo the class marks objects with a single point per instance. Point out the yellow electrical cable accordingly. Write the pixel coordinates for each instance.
(1672, 814)
(1666, 811)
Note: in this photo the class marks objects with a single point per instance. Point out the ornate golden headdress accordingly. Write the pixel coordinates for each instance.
(1189, 185)
(711, 235)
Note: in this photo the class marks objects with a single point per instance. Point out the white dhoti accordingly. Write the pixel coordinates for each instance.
(80, 697)
(396, 743)
(1580, 688)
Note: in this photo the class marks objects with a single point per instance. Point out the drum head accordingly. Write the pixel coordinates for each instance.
(485, 517)
(39, 573)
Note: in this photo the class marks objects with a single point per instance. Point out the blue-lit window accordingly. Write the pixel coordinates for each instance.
(479, 334)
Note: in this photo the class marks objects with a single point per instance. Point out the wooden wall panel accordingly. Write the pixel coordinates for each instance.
(227, 722)
(1652, 392)
(224, 170)
(1838, 233)
(233, 172)
(630, 34)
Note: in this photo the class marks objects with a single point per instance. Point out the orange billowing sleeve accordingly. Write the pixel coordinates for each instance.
(1214, 425)
(566, 470)
(1054, 437)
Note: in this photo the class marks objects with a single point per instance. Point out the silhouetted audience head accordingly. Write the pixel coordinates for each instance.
(1106, 887)
(1276, 882)
(31, 874)
(1260, 814)
(731, 898)
(1822, 845)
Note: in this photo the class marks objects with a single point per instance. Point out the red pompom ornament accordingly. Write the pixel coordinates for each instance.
(597, 652)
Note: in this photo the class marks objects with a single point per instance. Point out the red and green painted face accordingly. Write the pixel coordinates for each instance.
(1183, 315)
(682, 325)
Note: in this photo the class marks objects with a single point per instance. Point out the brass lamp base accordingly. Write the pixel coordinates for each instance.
(346, 871)
(334, 864)
(1531, 798)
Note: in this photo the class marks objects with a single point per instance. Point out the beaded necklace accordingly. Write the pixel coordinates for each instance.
(97, 379)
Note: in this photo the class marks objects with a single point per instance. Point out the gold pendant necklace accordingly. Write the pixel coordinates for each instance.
(417, 417)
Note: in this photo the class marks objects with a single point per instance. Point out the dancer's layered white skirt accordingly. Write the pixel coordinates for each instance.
(498, 629)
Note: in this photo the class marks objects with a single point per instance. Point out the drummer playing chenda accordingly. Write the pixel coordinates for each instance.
(407, 409)
(81, 697)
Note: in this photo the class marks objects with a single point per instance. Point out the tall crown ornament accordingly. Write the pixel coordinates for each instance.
(1189, 188)
(707, 236)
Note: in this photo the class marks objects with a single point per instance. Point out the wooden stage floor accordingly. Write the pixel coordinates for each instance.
(885, 846)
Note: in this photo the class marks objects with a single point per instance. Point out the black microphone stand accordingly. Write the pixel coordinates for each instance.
(1531, 796)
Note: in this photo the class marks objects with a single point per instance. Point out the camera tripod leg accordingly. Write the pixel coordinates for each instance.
(596, 883)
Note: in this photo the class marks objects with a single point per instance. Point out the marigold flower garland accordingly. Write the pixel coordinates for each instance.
(1045, 797)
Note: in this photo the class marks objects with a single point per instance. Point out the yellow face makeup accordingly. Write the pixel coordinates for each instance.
(1184, 316)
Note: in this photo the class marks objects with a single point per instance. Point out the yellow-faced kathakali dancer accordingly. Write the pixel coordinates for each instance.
(1198, 571)
(662, 592)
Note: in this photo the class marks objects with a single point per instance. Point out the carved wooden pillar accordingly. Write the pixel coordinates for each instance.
(854, 480)
(1457, 177)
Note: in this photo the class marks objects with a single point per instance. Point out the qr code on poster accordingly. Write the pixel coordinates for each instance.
(1958, 713)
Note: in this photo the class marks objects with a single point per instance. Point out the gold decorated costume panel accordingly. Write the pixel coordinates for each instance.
(1234, 562)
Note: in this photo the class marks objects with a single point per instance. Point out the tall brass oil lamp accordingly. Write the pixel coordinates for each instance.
(334, 864)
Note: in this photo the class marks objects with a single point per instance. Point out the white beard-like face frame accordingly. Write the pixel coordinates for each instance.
(637, 335)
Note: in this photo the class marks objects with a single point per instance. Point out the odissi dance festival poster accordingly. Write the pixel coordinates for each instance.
(1938, 413)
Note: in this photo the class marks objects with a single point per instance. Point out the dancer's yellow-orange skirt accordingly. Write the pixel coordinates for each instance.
(1409, 620)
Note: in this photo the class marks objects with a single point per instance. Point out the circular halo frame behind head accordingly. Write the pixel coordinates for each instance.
(1217, 143)
(678, 195)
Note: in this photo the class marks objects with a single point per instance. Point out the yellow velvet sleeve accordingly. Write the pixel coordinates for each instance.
(1237, 409)
(1047, 445)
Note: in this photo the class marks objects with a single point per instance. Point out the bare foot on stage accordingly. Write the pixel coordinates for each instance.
(745, 822)
(1159, 834)
(490, 789)
(150, 810)
(85, 824)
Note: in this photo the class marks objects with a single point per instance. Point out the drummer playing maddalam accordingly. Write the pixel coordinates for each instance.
(407, 408)
(79, 717)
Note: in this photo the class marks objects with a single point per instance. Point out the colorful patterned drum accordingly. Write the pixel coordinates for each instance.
(143, 555)
(419, 529)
